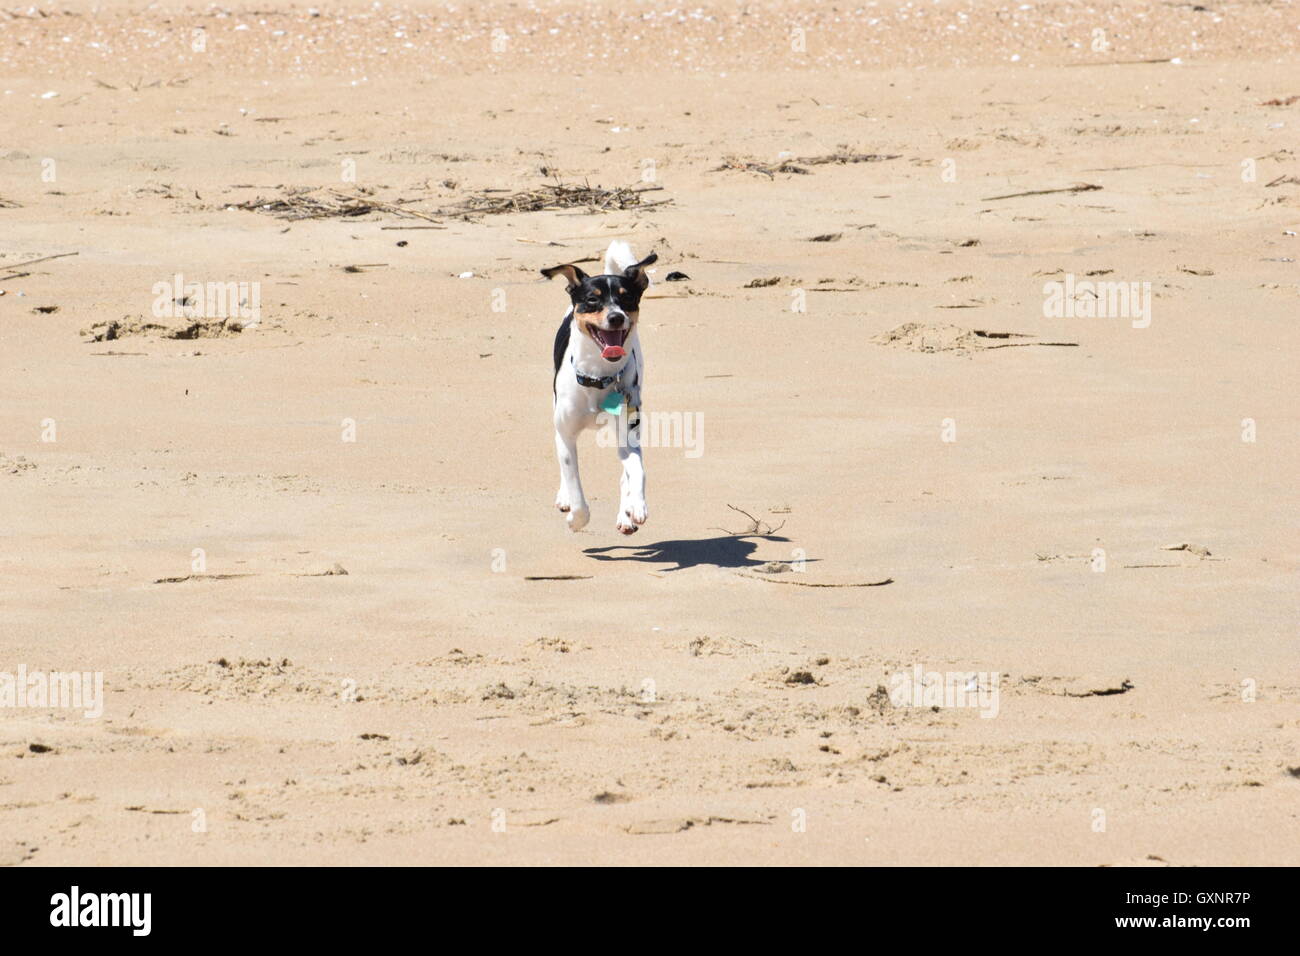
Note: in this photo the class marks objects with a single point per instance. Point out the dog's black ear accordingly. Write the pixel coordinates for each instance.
(572, 273)
(635, 273)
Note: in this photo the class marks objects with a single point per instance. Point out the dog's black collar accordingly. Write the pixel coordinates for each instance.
(588, 382)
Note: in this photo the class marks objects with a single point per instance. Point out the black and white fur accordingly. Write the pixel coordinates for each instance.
(608, 308)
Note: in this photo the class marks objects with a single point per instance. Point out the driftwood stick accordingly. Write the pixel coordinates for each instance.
(32, 262)
(810, 584)
(1076, 188)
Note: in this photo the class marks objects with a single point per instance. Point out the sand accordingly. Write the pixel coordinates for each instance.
(316, 560)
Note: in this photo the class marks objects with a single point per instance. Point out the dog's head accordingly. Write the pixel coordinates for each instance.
(606, 307)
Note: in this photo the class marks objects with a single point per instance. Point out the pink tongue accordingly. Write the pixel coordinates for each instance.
(612, 352)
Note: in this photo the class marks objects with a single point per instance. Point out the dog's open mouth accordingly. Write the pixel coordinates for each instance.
(610, 342)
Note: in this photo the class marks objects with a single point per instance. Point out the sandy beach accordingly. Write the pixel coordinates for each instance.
(310, 548)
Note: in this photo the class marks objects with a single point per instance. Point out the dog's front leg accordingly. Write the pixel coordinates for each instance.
(570, 498)
(632, 511)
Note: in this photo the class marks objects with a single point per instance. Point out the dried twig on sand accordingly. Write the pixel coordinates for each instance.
(796, 165)
(9, 203)
(811, 584)
(1163, 59)
(314, 203)
(489, 202)
(1076, 188)
(755, 526)
(32, 262)
(202, 577)
(1199, 550)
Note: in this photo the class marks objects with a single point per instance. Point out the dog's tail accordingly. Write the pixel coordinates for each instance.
(618, 257)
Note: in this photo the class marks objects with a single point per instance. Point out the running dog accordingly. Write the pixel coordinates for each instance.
(599, 367)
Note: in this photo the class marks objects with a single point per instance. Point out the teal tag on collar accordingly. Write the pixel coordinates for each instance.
(612, 403)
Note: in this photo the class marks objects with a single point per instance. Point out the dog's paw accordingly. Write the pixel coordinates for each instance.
(631, 515)
(578, 517)
(562, 501)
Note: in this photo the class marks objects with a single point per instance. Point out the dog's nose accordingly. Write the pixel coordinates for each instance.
(616, 321)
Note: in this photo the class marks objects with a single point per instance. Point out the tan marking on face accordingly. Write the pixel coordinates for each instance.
(589, 320)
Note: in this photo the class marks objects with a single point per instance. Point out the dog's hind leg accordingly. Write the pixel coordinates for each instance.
(570, 498)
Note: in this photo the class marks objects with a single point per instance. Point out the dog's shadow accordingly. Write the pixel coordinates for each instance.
(725, 551)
